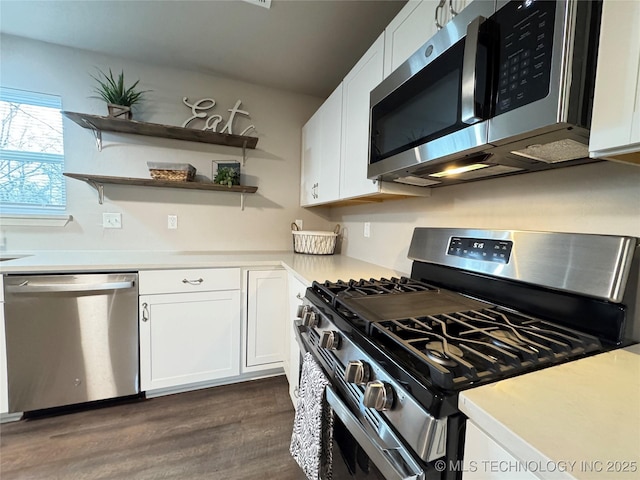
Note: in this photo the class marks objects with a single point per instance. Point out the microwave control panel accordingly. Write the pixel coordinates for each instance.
(525, 52)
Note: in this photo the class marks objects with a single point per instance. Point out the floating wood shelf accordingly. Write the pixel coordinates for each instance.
(98, 181)
(99, 124)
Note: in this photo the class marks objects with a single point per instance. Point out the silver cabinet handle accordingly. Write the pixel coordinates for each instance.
(452, 10)
(298, 296)
(441, 8)
(193, 282)
(26, 287)
(145, 312)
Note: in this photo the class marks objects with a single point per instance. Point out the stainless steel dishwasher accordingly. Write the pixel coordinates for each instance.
(70, 338)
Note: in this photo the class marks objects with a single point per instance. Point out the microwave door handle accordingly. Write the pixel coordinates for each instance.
(469, 111)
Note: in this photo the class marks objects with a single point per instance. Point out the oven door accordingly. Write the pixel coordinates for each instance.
(359, 451)
(436, 103)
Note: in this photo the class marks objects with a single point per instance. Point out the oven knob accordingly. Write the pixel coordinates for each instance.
(302, 309)
(378, 395)
(330, 340)
(357, 372)
(310, 319)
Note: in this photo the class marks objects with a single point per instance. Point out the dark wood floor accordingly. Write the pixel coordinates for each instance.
(239, 431)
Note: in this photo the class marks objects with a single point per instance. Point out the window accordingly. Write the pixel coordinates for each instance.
(31, 153)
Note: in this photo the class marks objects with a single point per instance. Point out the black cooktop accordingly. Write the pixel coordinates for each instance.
(448, 340)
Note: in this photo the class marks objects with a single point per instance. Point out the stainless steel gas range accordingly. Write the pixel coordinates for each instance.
(480, 306)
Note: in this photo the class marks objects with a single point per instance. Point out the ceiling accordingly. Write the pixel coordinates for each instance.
(302, 46)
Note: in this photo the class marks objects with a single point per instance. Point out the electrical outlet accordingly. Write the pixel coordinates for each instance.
(172, 222)
(367, 229)
(111, 220)
(299, 224)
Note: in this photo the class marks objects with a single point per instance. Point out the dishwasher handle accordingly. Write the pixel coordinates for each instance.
(27, 287)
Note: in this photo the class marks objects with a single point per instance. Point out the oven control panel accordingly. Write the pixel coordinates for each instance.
(485, 249)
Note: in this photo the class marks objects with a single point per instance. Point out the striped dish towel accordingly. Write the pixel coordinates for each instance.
(312, 435)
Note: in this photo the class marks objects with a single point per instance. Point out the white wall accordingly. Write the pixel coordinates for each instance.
(207, 220)
(596, 198)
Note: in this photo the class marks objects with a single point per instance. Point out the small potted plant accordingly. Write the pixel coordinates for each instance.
(227, 176)
(119, 98)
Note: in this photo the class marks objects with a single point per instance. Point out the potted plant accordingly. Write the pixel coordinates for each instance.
(119, 98)
(227, 176)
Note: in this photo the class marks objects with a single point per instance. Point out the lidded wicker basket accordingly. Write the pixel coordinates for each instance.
(314, 242)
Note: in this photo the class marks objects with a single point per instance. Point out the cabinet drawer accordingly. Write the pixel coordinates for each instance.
(189, 280)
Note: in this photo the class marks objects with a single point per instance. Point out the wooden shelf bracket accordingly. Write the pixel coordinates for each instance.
(244, 152)
(97, 133)
(99, 188)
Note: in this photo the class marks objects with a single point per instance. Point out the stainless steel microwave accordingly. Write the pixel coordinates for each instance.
(505, 88)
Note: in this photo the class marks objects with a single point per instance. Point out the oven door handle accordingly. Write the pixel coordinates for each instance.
(393, 467)
(298, 328)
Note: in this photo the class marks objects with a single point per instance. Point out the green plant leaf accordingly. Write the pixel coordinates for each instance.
(226, 176)
(113, 90)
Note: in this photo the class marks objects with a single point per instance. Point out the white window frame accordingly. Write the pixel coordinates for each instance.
(45, 215)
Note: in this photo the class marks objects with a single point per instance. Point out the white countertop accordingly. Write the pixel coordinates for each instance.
(306, 268)
(581, 419)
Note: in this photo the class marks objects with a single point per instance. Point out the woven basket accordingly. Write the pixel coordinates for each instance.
(314, 242)
(172, 172)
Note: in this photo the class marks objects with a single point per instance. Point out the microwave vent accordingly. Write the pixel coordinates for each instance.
(555, 152)
(416, 181)
(491, 171)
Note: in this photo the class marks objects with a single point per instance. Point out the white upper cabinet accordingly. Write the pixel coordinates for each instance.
(321, 137)
(310, 160)
(356, 87)
(615, 126)
(413, 26)
(335, 142)
(408, 31)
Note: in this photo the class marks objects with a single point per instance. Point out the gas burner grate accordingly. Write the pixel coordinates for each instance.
(466, 347)
(329, 291)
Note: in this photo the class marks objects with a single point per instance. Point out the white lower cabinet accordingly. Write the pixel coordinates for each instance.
(188, 338)
(485, 459)
(296, 294)
(266, 316)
